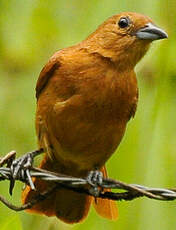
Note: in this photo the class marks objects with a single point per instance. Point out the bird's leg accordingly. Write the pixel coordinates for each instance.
(20, 168)
(95, 179)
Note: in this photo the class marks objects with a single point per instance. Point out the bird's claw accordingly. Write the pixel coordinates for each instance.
(22, 163)
(95, 179)
(20, 169)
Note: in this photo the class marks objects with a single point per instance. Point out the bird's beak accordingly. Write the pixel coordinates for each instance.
(151, 32)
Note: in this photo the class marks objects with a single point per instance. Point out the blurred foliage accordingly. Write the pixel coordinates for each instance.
(30, 32)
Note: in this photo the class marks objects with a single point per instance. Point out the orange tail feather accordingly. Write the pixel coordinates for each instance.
(104, 207)
(67, 205)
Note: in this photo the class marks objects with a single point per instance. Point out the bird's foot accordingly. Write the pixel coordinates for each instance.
(20, 169)
(95, 179)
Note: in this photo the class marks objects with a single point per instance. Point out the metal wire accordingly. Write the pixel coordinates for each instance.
(127, 191)
(134, 190)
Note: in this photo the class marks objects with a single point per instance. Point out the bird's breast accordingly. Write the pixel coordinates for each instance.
(113, 97)
(91, 124)
(86, 128)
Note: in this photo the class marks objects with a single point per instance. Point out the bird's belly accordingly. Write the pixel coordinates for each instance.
(86, 144)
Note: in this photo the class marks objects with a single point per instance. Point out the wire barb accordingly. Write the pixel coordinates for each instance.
(130, 191)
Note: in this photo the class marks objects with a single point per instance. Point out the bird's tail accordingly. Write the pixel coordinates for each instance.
(67, 205)
(104, 207)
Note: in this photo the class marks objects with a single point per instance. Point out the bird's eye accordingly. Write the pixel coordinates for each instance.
(124, 22)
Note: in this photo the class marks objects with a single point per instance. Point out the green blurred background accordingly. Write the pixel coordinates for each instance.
(30, 32)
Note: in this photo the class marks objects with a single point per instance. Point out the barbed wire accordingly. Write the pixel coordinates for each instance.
(128, 191)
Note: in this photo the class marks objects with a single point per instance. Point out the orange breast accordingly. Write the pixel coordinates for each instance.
(86, 128)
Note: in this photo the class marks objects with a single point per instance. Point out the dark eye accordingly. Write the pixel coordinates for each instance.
(123, 22)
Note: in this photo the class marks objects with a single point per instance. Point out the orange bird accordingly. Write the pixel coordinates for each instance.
(86, 94)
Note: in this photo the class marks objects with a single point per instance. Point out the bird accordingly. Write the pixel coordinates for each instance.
(86, 94)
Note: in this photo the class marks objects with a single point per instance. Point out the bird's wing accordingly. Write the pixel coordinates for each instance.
(46, 73)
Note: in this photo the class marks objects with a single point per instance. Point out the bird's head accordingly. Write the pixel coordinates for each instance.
(125, 37)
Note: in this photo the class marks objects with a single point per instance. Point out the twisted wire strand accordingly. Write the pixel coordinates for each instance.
(128, 191)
